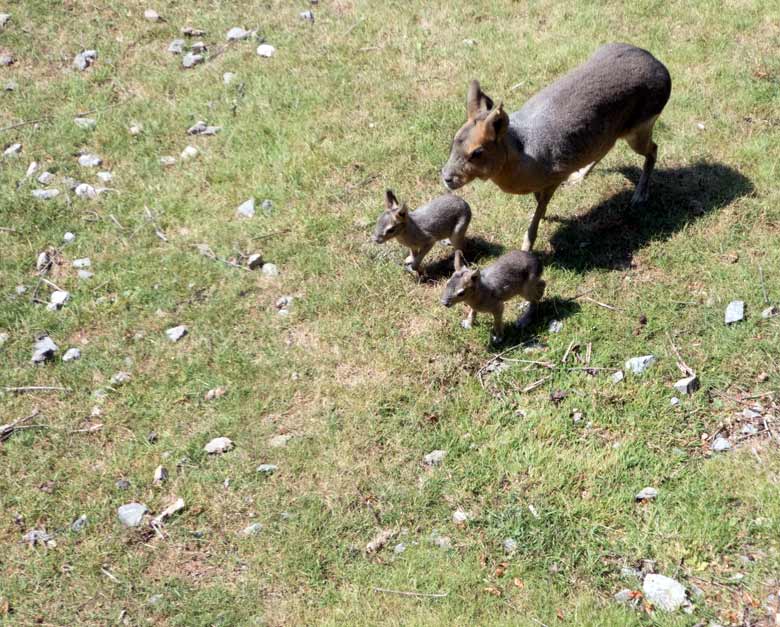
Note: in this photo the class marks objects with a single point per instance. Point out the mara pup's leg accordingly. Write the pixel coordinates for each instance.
(498, 324)
(641, 141)
(458, 237)
(533, 293)
(542, 199)
(470, 320)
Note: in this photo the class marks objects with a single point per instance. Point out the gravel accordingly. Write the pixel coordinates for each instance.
(266, 50)
(176, 46)
(176, 333)
(434, 458)
(44, 349)
(236, 34)
(90, 160)
(45, 194)
(132, 514)
(721, 445)
(72, 354)
(267, 469)
(246, 209)
(638, 365)
(86, 124)
(218, 445)
(735, 312)
(664, 592)
(646, 494)
(190, 60)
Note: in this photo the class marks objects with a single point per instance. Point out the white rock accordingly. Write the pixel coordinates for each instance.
(279, 441)
(253, 529)
(4, 19)
(688, 385)
(45, 178)
(176, 46)
(4, 338)
(71, 354)
(443, 542)
(189, 31)
(246, 209)
(663, 592)
(306, 15)
(721, 445)
(255, 261)
(151, 15)
(120, 378)
(201, 128)
(176, 333)
(57, 299)
(84, 59)
(459, 516)
(399, 548)
(267, 469)
(266, 50)
(45, 194)
(44, 349)
(189, 152)
(228, 77)
(105, 177)
(750, 414)
(167, 161)
(555, 326)
(510, 545)
(21, 289)
(218, 445)
(87, 124)
(198, 47)
(90, 160)
(237, 33)
(749, 430)
(10, 85)
(13, 150)
(85, 274)
(624, 596)
(43, 261)
(7, 58)
(270, 270)
(190, 60)
(160, 475)
(770, 312)
(85, 190)
(31, 169)
(735, 312)
(132, 514)
(646, 494)
(68, 237)
(674, 401)
(84, 262)
(638, 365)
(434, 458)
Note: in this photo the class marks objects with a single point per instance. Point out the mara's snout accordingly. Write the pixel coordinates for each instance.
(446, 302)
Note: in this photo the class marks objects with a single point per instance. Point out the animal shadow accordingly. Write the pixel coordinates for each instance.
(549, 309)
(609, 234)
(474, 249)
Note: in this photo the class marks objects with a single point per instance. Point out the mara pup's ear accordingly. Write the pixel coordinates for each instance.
(497, 122)
(477, 101)
(391, 202)
(402, 212)
(474, 276)
(459, 261)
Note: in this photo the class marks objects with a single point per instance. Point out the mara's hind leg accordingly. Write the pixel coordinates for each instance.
(533, 292)
(641, 141)
(458, 236)
(581, 174)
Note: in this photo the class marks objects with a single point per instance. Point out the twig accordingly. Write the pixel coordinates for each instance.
(571, 347)
(595, 302)
(588, 351)
(6, 431)
(115, 221)
(535, 384)
(210, 254)
(90, 429)
(684, 368)
(109, 575)
(267, 235)
(25, 123)
(37, 388)
(54, 285)
(763, 286)
(404, 593)
(353, 27)
(8, 229)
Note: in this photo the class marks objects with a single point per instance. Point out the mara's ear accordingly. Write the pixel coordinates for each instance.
(402, 212)
(474, 276)
(459, 261)
(391, 202)
(478, 101)
(497, 121)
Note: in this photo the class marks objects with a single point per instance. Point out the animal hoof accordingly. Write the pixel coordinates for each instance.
(466, 324)
(496, 339)
(639, 199)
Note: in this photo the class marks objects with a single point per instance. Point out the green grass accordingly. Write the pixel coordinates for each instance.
(369, 372)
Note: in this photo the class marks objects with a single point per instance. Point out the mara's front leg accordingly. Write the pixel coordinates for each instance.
(542, 200)
(498, 324)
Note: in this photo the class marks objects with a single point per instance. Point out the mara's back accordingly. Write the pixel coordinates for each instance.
(508, 275)
(576, 119)
(440, 215)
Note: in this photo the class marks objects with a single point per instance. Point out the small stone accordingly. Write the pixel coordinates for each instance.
(399, 548)
(151, 437)
(36, 536)
(151, 15)
(4, 19)
(646, 494)
(624, 596)
(85, 274)
(688, 385)
(10, 86)
(735, 312)
(576, 416)
(78, 525)
(434, 458)
(72, 354)
(4, 338)
(160, 475)
(198, 47)
(469, 42)
(90, 160)
(267, 205)
(176, 333)
(266, 50)
(86, 124)
(6, 59)
(155, 600)
(443, 542)
(13, 150)
(21, 289)
(555, 326)
(770, 312)
(45, 178)
(253, 529)
(750, 414)
(721, 445)
(201, 128)
(45, 194)
(279, 441)
(267, 469)
(307, 15)
(43, 261)
(84, 190)
(674, 401)
(122, 484)
(176, 46)
(70, 182)
(638, 365)
(132, 514)
(57, 299)
(189, 31)
(630, 573)
(84, 59)
(84, 262)
(748, 430)
(218, 445)
(120, 378)
(215, 393)
(459, 516)
(135, 129)
(68, 237)
(167, 161)
(190, 60)
(255, 261)
(663, 592)
(189, 152)
(31, 169)
(105, 177)
(44, 349)
(228, 77)
(246, 209)
(270, 270)
(237, 33)
(284, 302)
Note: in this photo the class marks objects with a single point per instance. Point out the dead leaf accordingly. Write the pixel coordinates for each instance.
(518, 583)
(379, 541)
(501, 569)
(494, 591)
(559, 614)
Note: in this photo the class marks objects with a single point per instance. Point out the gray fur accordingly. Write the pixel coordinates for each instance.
(444, 217)
(515, 273)
(564, 129)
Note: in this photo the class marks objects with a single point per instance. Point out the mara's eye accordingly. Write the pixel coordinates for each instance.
(476, 153)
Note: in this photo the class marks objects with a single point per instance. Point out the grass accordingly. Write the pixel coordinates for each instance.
(368, 372)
